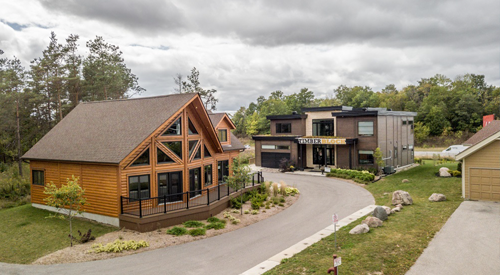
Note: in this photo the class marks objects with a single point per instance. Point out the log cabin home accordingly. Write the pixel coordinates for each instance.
(144, 163)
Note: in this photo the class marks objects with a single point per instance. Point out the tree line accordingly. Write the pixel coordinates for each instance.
(444, 106)
(35, 99)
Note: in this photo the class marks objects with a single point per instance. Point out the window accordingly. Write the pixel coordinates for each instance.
(405, 147)
(404, 121)
(175, 129)
(208, 175)
(195, 182)
(162, 157)
(192, 145)
(142, 160)
(323, 127)
(410, 122)
(170, 186)
(365, 128)
(207, 153)
(365, 157)
(275, 147)
(191, 129)
(223, 135)
(283, 128)
(38, 177)
(175, 146)
(222, 170)
(410, 147)
(138, 187)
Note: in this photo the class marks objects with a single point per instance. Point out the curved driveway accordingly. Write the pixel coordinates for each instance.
(239, 250)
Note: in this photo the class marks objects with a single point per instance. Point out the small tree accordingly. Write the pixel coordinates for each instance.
(240, 176)
(378, 158)
(68, 200)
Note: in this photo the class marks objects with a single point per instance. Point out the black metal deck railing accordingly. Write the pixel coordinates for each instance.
(173, 202)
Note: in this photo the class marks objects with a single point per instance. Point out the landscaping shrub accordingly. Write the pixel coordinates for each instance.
(359, 176)
(291, 190)
(216, 225)
(197, 232)
(246, 212)
(215, 219)
(177, 231)
(459, 167)
(193, 224)
(275, 189)
(255, 212)
(457, 174)
(118, 246)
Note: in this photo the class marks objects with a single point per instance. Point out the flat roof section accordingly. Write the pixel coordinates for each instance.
(286, 117)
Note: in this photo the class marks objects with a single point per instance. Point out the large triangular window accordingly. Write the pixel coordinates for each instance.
(192, 146)
(175, 147)
(175, 129)
(207, 153)
(142, 160)
(162, 157)
(197, 154)
(191, 129)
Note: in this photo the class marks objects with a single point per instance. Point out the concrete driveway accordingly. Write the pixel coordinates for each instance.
(469, 243)
(239, 250)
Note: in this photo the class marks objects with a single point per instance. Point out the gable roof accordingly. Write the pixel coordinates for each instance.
(216, 118)
(482, 138)
(484, 133)
(106, 131)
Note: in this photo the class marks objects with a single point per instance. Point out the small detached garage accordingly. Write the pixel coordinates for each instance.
(481, 164)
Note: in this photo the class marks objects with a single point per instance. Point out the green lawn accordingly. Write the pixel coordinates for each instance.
(394, 247)
(26, 235)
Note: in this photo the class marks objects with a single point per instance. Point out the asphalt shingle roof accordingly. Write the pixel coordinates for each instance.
(106, 131)
(490, 129)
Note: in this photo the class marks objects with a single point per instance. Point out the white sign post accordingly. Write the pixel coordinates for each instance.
(337, 262)
(335, 219)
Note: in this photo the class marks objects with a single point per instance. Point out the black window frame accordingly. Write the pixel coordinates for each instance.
(372, 128)
(193, 182)
(220, 135)
(318, 127)
(170, 196)
(33, 177)
(139, 191)
(283, 128)
(371, 161)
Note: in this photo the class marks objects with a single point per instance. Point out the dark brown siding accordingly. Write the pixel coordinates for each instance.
(348, 127)
(298, 126)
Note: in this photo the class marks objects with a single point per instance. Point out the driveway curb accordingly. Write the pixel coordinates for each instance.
(305, 243)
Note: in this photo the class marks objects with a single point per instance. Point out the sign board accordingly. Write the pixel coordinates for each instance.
(322, 140)
(337, 262)
(488, 119)
(335, 218)
(327, 169)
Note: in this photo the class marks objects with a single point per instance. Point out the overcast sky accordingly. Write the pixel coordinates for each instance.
(245, 49)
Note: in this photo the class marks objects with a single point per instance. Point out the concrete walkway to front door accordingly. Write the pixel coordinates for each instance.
(469, 243)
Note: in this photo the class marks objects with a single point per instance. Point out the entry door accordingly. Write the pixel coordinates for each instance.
(195, 182)
(170, 187)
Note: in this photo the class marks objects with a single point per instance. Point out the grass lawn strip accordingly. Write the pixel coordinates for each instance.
(394, 247)
(26, 234)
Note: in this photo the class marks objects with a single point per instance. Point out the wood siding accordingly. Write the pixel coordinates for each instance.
(99, 182)
(482, 173)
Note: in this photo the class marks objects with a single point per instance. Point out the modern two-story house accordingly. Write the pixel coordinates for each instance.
(337, 136)
(140, 158)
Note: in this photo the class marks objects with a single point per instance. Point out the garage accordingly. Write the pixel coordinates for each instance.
(481, 164)
(272, 160)
(485, 184)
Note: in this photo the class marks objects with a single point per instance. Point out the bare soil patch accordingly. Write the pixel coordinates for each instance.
(156, 239)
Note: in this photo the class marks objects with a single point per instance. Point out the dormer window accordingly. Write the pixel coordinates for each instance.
(223, 135)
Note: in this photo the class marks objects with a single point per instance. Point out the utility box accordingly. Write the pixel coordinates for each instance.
(389, 170)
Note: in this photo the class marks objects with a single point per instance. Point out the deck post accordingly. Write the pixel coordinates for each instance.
(253, 179)
(208, 196)
(187, 200)
(140, 208)
(164, 203)
(121, 204)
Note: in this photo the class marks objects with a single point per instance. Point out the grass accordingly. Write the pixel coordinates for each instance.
(430, 149)
(26, 235)
(394, 247)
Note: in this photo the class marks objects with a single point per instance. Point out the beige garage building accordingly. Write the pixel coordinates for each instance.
(481, 164)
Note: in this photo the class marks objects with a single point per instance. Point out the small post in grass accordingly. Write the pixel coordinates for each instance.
(335, 219)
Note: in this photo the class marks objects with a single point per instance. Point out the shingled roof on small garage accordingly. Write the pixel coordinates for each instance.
(106, 131)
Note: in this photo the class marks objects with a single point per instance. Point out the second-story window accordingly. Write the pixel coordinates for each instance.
(323, 127)
(223, 135)
(365, 128)
(283, 128)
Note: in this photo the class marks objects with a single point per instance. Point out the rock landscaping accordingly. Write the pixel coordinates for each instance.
(437, 197)
(444, 172)
(401, 197)
(372, 222)
(380, 213)
(360, 229)
(405, 181)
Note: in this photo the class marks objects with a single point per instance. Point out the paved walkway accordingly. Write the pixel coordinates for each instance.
(469, 243)
(239, 250)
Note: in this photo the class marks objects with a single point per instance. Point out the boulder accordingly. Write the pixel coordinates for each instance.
(372, 222)
(387, 209)
(400, 206)
(443, 172)
(395, 209)
(360, 229)
(401, 197)
(405, 181)
(437, 197)
(380, 213)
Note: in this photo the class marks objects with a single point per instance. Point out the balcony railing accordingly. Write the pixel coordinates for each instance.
(173, 202)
